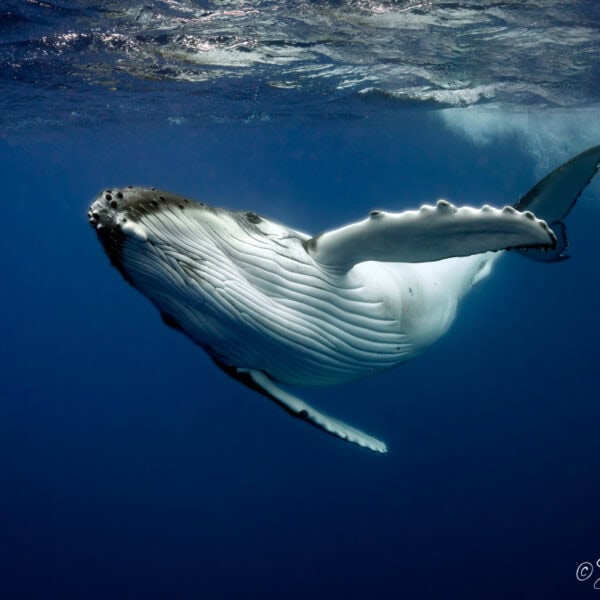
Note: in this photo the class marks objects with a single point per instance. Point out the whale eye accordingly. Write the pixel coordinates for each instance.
(252, 217)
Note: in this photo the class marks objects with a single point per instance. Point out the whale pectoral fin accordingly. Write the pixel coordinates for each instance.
(302, 410)
(260, 382)
(429, 234)
(555, 254)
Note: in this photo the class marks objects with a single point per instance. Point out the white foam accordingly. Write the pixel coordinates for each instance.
(459, 96)
(549, 136)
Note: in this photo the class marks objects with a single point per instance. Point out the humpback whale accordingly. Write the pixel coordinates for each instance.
(274, 306)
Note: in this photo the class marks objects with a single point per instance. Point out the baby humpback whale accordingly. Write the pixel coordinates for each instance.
(274, 306)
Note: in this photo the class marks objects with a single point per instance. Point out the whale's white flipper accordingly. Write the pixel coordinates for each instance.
(429, 234)
(299, 408)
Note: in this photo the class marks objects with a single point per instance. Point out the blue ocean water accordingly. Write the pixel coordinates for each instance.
(131, 467)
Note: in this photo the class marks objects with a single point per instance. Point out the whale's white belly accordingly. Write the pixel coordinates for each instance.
(273, 310)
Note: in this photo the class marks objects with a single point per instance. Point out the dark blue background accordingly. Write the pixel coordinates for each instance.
(132, 468)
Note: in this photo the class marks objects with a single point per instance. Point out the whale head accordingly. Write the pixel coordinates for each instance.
(180, 253)
(142, 221)
(165, 245)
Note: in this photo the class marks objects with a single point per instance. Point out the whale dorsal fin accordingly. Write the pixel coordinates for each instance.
(260, 382)
(429, 234)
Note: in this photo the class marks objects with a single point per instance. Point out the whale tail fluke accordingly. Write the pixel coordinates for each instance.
(552, 198)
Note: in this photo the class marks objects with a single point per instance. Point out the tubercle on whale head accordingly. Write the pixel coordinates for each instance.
(106, 216)
(124, 213)
(116, 214)
(109, 208)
